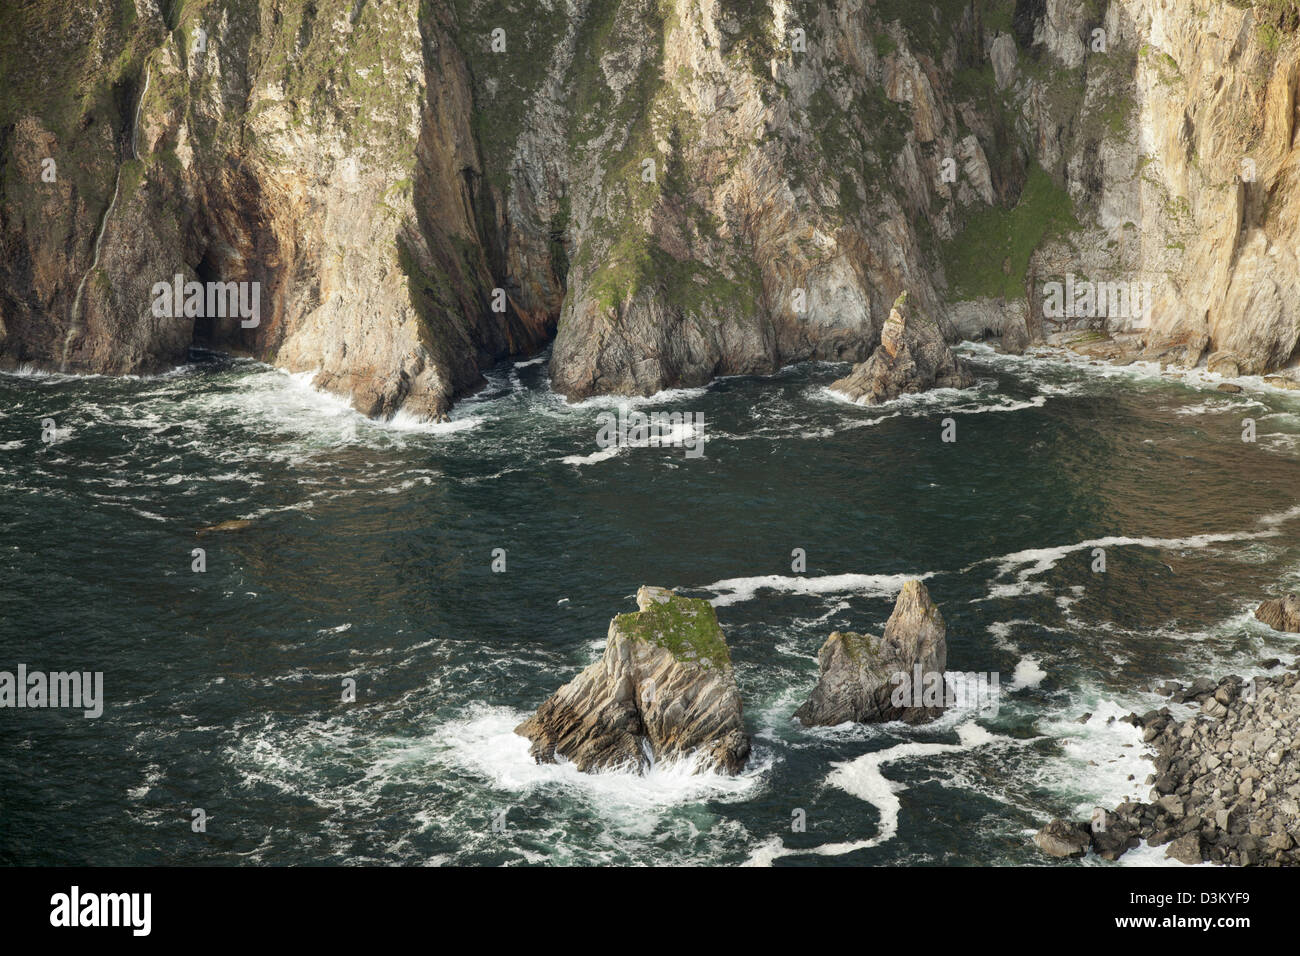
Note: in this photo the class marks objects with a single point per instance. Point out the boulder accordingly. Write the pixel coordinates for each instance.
(663, 690)
(1186, 849)
(1111, 835)
(899, 676)
(1002, 53)
(1282, 614)
(1061, 838)
(1227, 364)
(912, 357)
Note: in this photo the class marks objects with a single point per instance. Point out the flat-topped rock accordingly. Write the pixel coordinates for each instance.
(663, 690)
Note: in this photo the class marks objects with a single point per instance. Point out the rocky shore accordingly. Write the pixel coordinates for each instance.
(1226, 781)
(663, 690)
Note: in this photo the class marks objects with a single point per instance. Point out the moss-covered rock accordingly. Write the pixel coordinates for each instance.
(662, 691)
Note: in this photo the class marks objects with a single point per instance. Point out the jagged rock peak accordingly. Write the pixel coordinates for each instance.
(913, 357)
(859, 678)
(662, 691)
(1281, 614)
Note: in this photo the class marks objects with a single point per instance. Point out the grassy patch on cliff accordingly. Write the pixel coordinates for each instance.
(990, 257)
(79, 76)
(508, 67)
(688, 627)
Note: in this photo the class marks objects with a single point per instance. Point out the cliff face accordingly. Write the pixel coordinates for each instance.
(1176, 142)
(687, 187)
(322, 149)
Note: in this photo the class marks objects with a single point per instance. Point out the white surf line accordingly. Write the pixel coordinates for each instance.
(734, 590)
(1039, 560)
(863, 778)
(75, 325)
(731, 591)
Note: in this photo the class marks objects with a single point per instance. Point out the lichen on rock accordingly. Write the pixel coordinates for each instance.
(664, 690)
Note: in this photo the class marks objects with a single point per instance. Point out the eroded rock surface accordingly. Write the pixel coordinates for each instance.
(1281, 614)
(913, 357)
(662, 691)
(859, 672)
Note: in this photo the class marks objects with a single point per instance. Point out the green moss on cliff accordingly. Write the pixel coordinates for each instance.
(996, 238)
(688, 627)
(857, 646)
(506, 80)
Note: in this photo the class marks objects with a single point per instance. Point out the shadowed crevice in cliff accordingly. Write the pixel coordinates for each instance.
(454, 254)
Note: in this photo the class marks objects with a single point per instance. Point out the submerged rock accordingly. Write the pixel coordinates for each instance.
(1282, 614)
(859, 672)
(237, 524)
(913, 357)
(663, 690)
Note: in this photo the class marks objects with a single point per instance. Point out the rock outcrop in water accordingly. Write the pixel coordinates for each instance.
(913, 357)
(1226, 786)
(1281, 614)
(662, 691)
(859, 678)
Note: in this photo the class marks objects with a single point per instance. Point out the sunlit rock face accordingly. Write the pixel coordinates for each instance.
(663, 691)
(672, 190)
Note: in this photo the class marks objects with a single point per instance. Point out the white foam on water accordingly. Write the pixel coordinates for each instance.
(667, 396)
(404, 421)
(1219, 407)
(735, 590)
(863, 778)
(1032, 562)
(1028, 673)
(532, 361)
(484, 743)
(1146, 855)
(605, 454)
(1098, 757)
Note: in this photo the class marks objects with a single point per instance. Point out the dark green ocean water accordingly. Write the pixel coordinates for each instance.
(369, 557)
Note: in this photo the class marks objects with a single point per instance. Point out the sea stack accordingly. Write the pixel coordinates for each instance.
(912, 357)
(1282, 614)
(859, 672)
(663, 690)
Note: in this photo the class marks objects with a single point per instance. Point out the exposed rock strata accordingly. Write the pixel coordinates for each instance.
(1281, 614)
(912, 357)
(382, 170)
(859, 672)
(662, 691)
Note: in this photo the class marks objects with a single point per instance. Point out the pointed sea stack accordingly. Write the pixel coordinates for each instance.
(858, 670)
(663, 690)
(912, 357)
